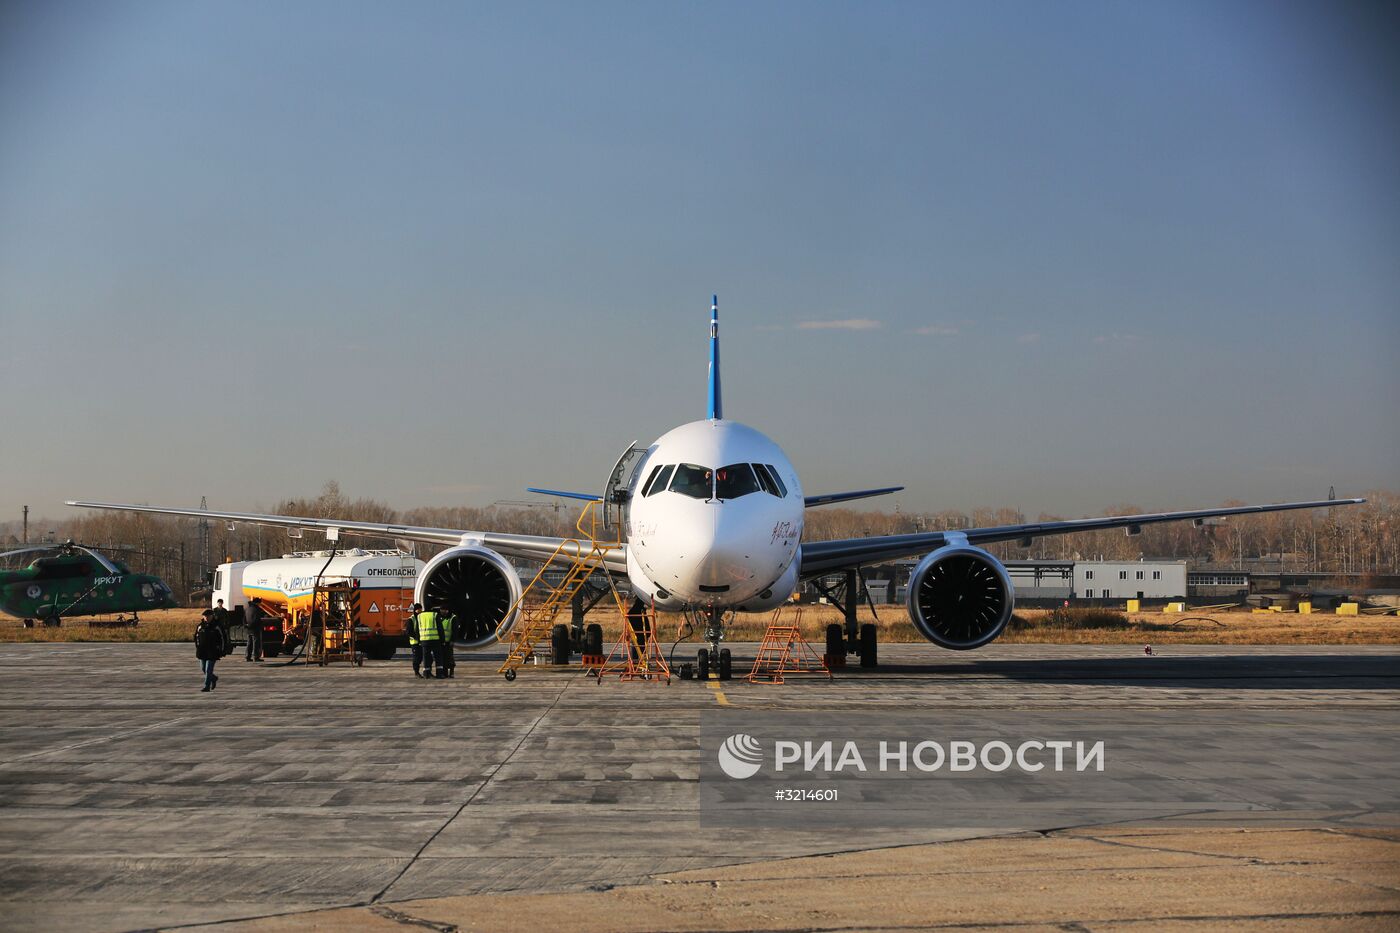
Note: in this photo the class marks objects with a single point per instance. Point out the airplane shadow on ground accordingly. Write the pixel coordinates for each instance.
(1244, 672)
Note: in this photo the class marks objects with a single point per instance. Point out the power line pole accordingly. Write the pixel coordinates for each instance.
(26, 524)
(204, 537)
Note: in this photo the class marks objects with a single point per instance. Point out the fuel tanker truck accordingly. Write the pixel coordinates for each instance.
(373, 588)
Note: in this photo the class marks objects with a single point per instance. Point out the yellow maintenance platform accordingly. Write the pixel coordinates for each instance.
(540, 602)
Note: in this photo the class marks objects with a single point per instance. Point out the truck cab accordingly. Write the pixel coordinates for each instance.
(228, 586)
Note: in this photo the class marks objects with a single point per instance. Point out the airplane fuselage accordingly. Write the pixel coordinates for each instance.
(714, 520)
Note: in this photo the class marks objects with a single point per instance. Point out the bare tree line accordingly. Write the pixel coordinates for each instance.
(1360, 539)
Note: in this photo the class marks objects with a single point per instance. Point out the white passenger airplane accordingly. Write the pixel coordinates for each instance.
(713, 512)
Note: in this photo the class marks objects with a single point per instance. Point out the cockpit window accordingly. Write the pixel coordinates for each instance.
(771, 481)
(734, 481)
(658, 479)
(765, 480)
(694, 481)
(646, 487)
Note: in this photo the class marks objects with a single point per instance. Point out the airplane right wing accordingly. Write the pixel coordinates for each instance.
(527, 547)
(831, 497)
(819, 557)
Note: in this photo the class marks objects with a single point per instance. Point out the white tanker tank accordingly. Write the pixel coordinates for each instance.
(378, 589)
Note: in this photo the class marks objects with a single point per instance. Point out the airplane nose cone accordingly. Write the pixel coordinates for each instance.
(726, 561)
(710, 557)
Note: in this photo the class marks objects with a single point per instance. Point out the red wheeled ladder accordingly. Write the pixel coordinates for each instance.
(784, 651)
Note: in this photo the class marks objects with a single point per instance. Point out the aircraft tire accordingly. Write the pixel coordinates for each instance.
(559, 648)
(726, 665)
(702, 664)
(835, 641)
(593, 639)
(868, 651)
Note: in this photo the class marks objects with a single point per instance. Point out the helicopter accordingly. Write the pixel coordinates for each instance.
(74, 580)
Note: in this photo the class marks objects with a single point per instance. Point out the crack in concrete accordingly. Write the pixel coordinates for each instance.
(97, 741)
(491, 774)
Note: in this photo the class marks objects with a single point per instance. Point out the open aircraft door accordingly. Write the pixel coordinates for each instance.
(621, 482)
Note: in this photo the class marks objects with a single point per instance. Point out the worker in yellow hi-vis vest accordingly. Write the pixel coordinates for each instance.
(430, 637)
(447, 621)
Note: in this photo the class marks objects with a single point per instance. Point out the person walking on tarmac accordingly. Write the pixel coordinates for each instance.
(208, 648)
(253, 619)
(413, 643)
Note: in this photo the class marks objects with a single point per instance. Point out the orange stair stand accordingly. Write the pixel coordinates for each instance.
(637, 654)
(784, 651)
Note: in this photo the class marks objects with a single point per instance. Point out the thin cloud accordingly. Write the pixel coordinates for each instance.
(937, 330)
(853, 323)
(1028, 338)
(1118, 340)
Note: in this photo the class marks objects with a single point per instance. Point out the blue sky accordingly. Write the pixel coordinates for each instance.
(1053, 256)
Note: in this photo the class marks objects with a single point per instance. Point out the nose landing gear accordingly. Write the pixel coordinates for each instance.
(714, 658)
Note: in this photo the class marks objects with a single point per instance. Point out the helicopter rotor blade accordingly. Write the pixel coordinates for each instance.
(65, 546)
(107, 564)
(30, 550)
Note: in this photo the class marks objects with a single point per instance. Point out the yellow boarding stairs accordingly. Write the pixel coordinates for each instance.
(539, 602)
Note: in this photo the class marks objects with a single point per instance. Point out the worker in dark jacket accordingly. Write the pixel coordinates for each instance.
(208, 648)
(253, 618)
(221, 619)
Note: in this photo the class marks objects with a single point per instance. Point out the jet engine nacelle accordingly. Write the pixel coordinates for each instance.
(475, 584)
(960, 597)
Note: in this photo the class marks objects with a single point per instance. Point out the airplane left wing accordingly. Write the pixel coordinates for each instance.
(527, 547)
(819, 557)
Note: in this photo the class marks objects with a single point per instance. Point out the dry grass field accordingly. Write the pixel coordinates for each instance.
(1037, 626)
(1030, 626)
(161, 625)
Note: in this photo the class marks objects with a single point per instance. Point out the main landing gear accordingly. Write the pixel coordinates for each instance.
(864, 644)
(853, 637)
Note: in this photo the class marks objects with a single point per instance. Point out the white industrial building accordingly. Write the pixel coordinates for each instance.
(1130, 579)
(1063, 579)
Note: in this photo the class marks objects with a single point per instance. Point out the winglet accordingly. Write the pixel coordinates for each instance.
(716, 405)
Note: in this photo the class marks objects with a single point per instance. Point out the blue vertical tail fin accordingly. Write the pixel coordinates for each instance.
(716, 405)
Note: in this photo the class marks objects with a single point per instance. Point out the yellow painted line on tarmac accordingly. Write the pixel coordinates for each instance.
(719, 694)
